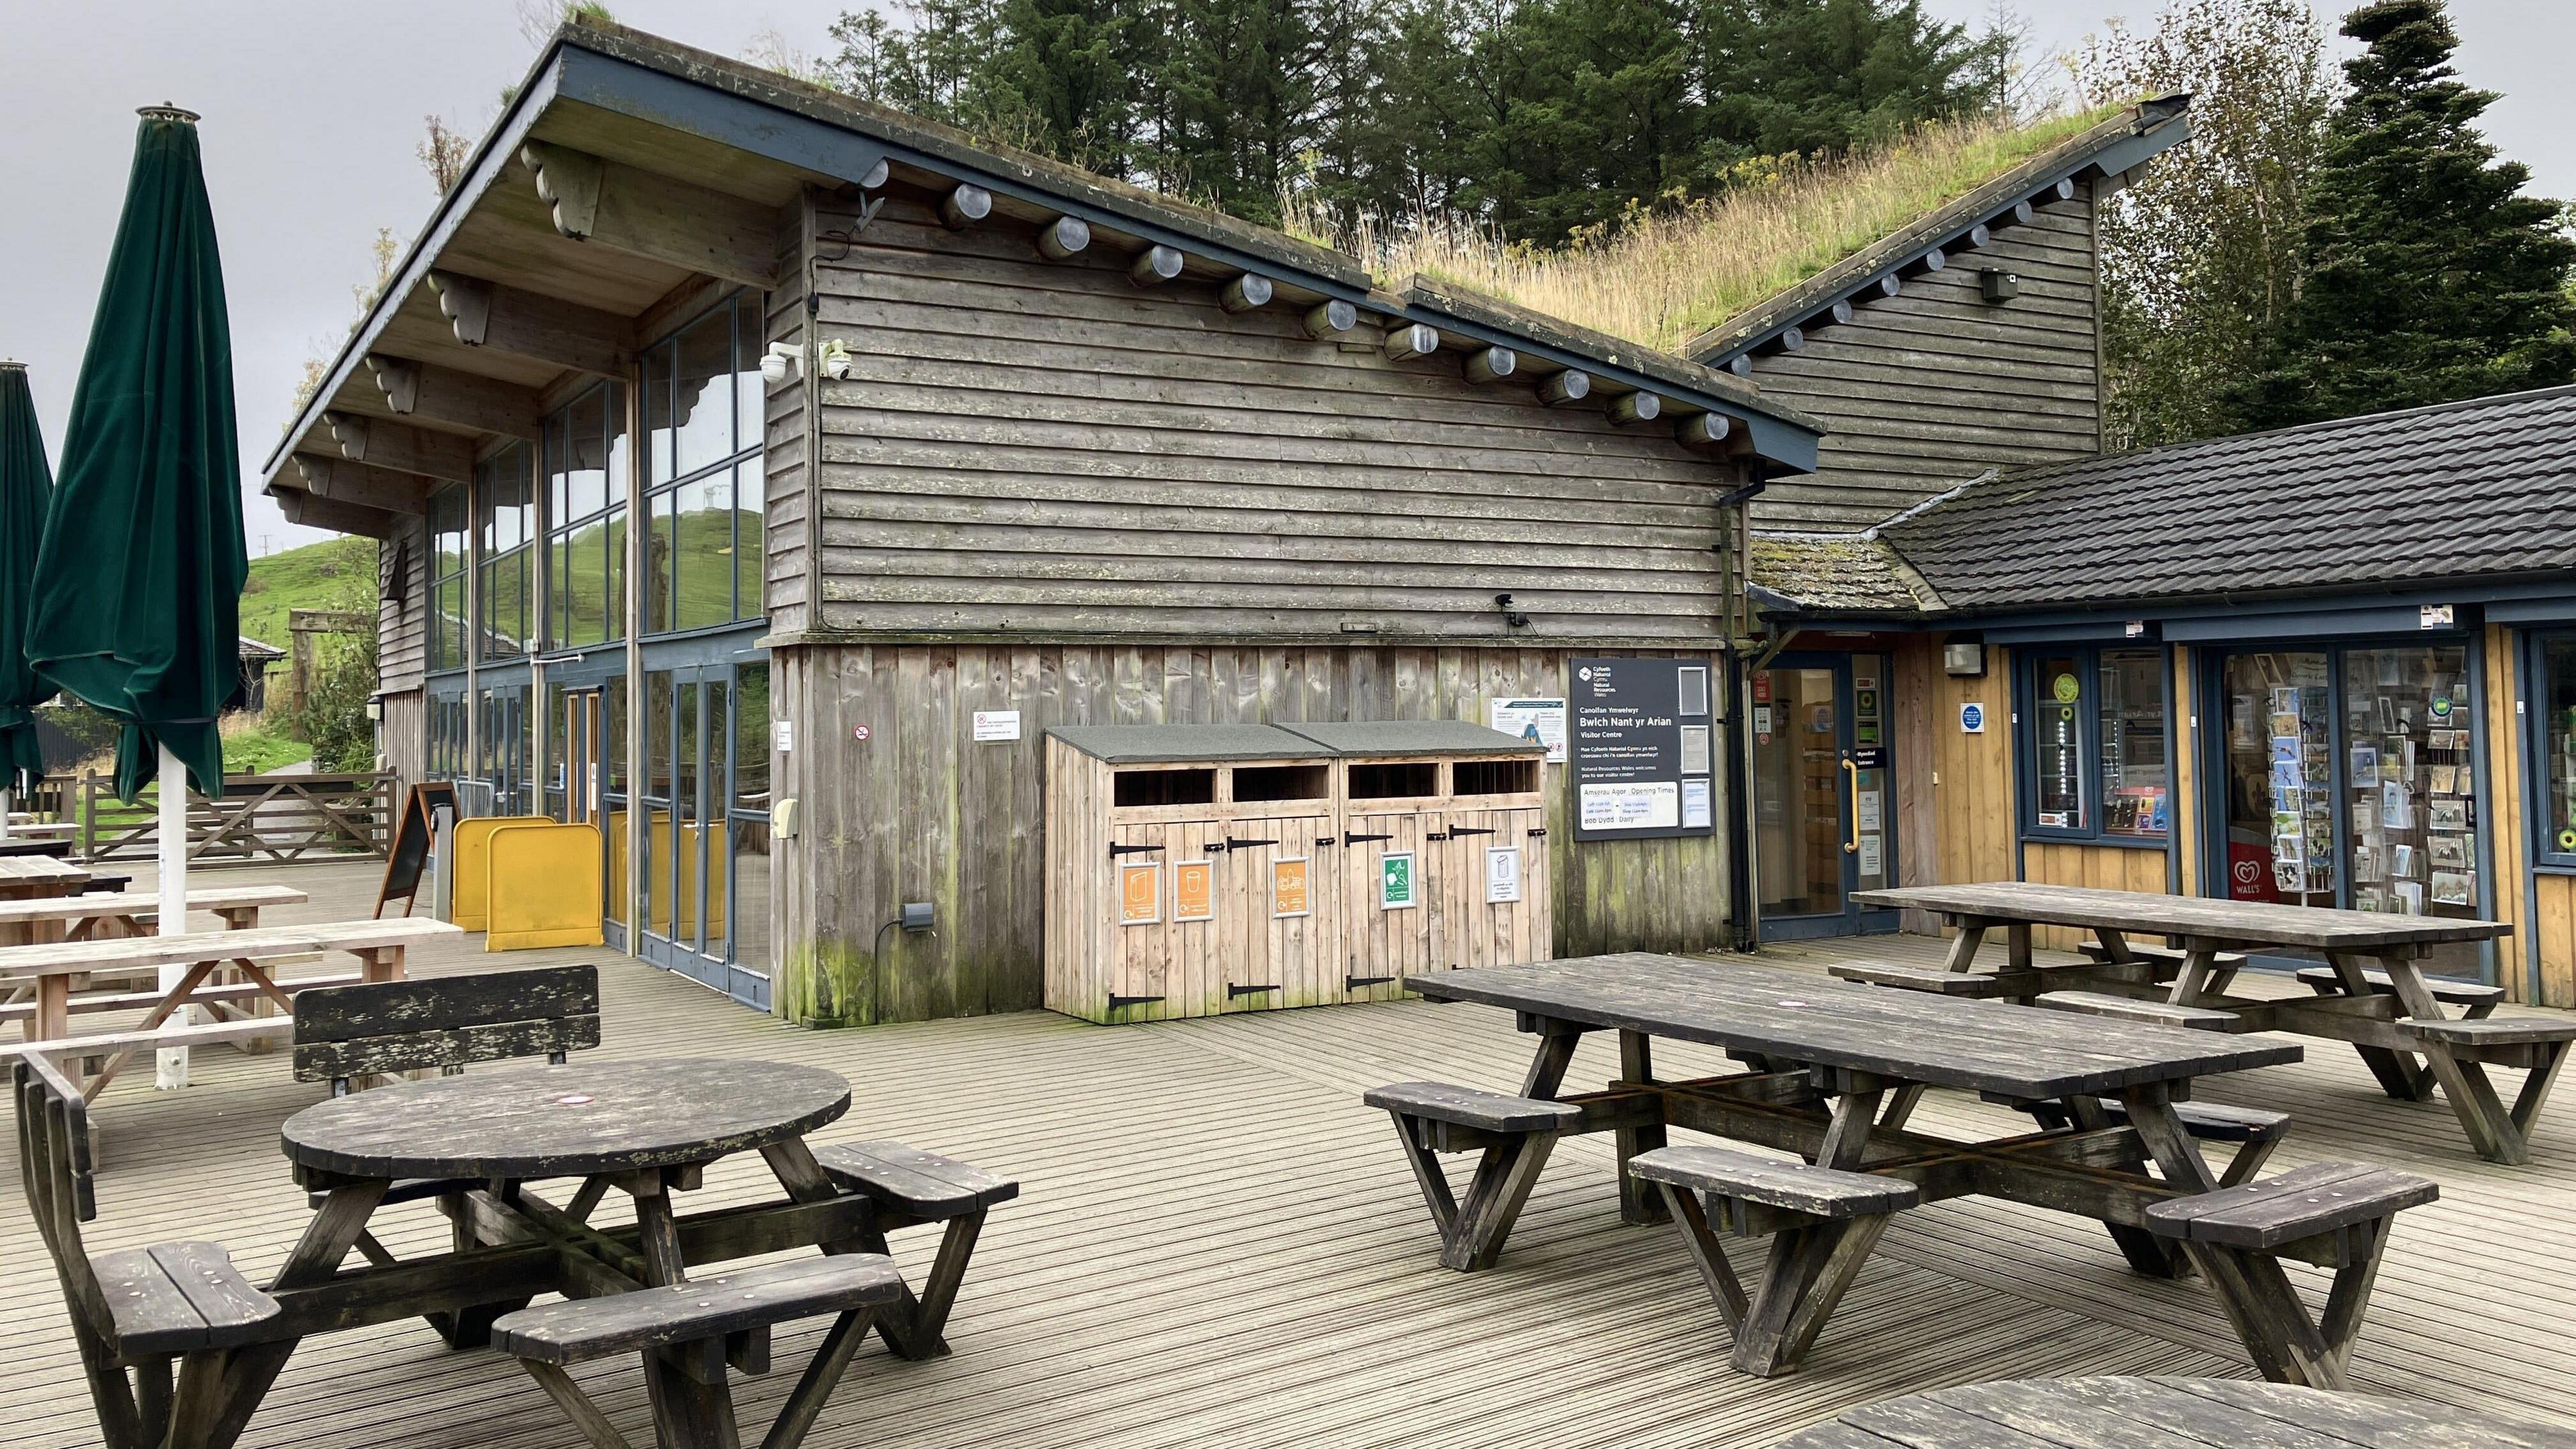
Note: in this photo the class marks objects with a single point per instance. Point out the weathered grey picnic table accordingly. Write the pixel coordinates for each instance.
(2125, 1413)
(2391, 1014)
(1836, 1069)
(647, 1129)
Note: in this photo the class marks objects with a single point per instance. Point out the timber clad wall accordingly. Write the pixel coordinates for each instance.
(1030, 446)
(402, 605)
(403, 734)
(919, 812)
(1926, 390)
(787, 448)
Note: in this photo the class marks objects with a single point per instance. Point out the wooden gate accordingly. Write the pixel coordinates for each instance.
(261, 817)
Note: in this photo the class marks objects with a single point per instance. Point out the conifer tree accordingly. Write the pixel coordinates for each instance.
(2429, 277)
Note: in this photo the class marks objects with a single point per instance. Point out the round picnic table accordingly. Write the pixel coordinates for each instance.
(586, 1120)
(645, 1128)
(2127, 1413)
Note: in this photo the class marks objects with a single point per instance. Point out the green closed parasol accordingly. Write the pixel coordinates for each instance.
(137, 601)
(26, 485)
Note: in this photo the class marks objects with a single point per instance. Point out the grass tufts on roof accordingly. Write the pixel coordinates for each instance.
(1663, 276)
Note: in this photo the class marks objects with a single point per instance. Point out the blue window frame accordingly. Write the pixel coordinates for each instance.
(2095, 743)
(2550, 669)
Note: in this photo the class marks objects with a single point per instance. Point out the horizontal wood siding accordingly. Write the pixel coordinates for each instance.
(1926, 390)
(402, 604)
(918, 811)
(786, 451)
(1033, 447)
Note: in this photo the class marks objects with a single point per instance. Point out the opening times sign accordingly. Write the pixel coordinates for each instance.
(1642, 743)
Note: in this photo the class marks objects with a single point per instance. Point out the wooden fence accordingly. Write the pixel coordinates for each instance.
(261, 817)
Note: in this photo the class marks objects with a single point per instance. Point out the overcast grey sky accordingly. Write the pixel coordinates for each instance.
(313, 108)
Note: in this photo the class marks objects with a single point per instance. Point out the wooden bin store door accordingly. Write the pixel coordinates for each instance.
(1162, 888)
(1276, 931)
(1491, 870)
(1389, 904)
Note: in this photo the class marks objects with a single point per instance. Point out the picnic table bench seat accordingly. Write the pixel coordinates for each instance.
(2166, 959)
(2253, 1131)
(2489, 1031)
(2477, 996)
(1940, 981)
(913, 1187)
(1516, 1135)
(1827, 1220)
(694, 1319)
(178, 1298)
(2130, 1008)
(231, 993)
(2334, 1213)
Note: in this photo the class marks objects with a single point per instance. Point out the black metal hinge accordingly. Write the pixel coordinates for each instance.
(1233, 991)
(1350, 839)
(1116, 851)
(1457, 830)
(1354, 983)
(1116, 1001)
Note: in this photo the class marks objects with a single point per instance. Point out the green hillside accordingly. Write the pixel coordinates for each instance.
(338, 573)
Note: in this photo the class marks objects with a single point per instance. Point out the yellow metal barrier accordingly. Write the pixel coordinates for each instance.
(543, 885)
(471, 899)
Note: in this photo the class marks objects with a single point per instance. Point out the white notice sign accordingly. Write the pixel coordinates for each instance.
(1502, 874)
(1637, 805)
(1872, 860)
(996, 724)
(1542, 720)
(1696, 814)
(783, 734)
(1869, 810)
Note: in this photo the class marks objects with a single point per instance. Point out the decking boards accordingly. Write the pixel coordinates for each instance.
(1217, 1245)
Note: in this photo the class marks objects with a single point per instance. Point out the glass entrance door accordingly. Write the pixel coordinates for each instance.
(586, 779)
(705, 862)
(1823, 797)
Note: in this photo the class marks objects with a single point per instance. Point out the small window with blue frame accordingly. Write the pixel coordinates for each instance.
(2096, 750)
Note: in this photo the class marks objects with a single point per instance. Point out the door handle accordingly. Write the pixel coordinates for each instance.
(1851, 780)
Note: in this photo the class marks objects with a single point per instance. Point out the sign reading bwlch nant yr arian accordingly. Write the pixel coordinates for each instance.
(1643, 741)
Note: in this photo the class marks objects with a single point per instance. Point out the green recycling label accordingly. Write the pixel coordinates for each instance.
(1395, 882)
(2066, 688)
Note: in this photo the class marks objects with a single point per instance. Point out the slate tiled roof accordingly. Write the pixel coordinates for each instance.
(1834, 573)
(2485, 488)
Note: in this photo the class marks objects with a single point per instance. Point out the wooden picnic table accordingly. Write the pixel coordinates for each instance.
(25, 877)
(1837, 1069)
(82, 916)
(645, 1128)
(2390, 1016)
(2123, 1413)
(379, 947)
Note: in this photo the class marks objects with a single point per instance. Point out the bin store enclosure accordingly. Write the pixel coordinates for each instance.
(1199, 869)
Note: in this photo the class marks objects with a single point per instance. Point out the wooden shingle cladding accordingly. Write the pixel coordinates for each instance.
(1024, 446)
(402, 604)
(1928, 389)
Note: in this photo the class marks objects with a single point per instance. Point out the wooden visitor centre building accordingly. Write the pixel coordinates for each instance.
(765, 475)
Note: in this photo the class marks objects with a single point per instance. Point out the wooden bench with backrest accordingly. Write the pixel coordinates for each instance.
(2251, 1130)
(343, 1033)
(911, 1188)
(1822, 1220)
(138, 1312)
(690, 1321)
(1516, 1134)
(2333, 1214)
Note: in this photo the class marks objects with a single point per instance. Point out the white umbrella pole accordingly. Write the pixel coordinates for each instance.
(8, 802)
(170, 1065)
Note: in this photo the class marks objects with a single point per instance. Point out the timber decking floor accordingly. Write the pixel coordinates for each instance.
(1218, 1245)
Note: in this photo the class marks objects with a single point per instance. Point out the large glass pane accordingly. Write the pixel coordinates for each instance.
(750, 395)
(585, 584)
(705, 406)
(619, 460)
(751, 738)
(657, 414)
(561, 798)
(657, 802)
(586, 473)
(613, 753)
(613, 595)
(557, 464)
(1798, 792)
(2411, 788)
(688, 846)
(750, 830)
(2558, 739)
(2280, 779)
(748, 540)
(704, 591)
(660, 556)
(716, 853)
(2136, 777)
(2057, 743)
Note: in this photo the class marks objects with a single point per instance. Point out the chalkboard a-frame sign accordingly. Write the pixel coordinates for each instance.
(410, 852)
(1642, 741)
